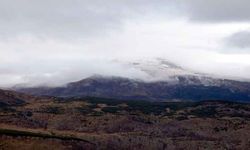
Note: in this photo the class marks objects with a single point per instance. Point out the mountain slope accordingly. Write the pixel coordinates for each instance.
(164, 81)
(123, 88)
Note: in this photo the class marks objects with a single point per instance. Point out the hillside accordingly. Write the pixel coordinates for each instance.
(9, 98)
(110, 124)
(188, 88)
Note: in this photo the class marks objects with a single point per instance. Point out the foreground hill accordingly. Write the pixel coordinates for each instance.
(11, 98)
(97, 123)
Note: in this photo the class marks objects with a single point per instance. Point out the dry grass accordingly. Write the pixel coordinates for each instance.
(126, 125)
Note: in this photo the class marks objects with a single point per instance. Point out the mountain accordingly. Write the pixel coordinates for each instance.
(164, 81)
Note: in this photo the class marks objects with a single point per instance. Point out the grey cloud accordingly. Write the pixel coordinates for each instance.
(83, 18)
(217, 10)
(60, 72)
(70, 18)
(148, 29)
(239, 40)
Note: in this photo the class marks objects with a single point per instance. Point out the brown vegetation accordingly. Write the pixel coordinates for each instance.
(110, 124)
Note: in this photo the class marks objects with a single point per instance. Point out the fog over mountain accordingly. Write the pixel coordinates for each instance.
(53, 42)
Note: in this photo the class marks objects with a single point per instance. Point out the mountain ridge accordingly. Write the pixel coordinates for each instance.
(166, 81)
(124, 88)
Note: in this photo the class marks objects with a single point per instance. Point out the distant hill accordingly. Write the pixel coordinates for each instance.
(188, 88)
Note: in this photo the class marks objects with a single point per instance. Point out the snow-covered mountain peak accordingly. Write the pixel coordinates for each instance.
(160, 69)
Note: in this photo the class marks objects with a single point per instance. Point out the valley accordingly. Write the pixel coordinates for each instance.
(99, 123)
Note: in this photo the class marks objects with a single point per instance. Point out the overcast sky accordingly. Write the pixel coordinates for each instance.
(58, 41)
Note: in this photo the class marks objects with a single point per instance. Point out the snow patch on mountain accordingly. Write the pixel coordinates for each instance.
(161, 70)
